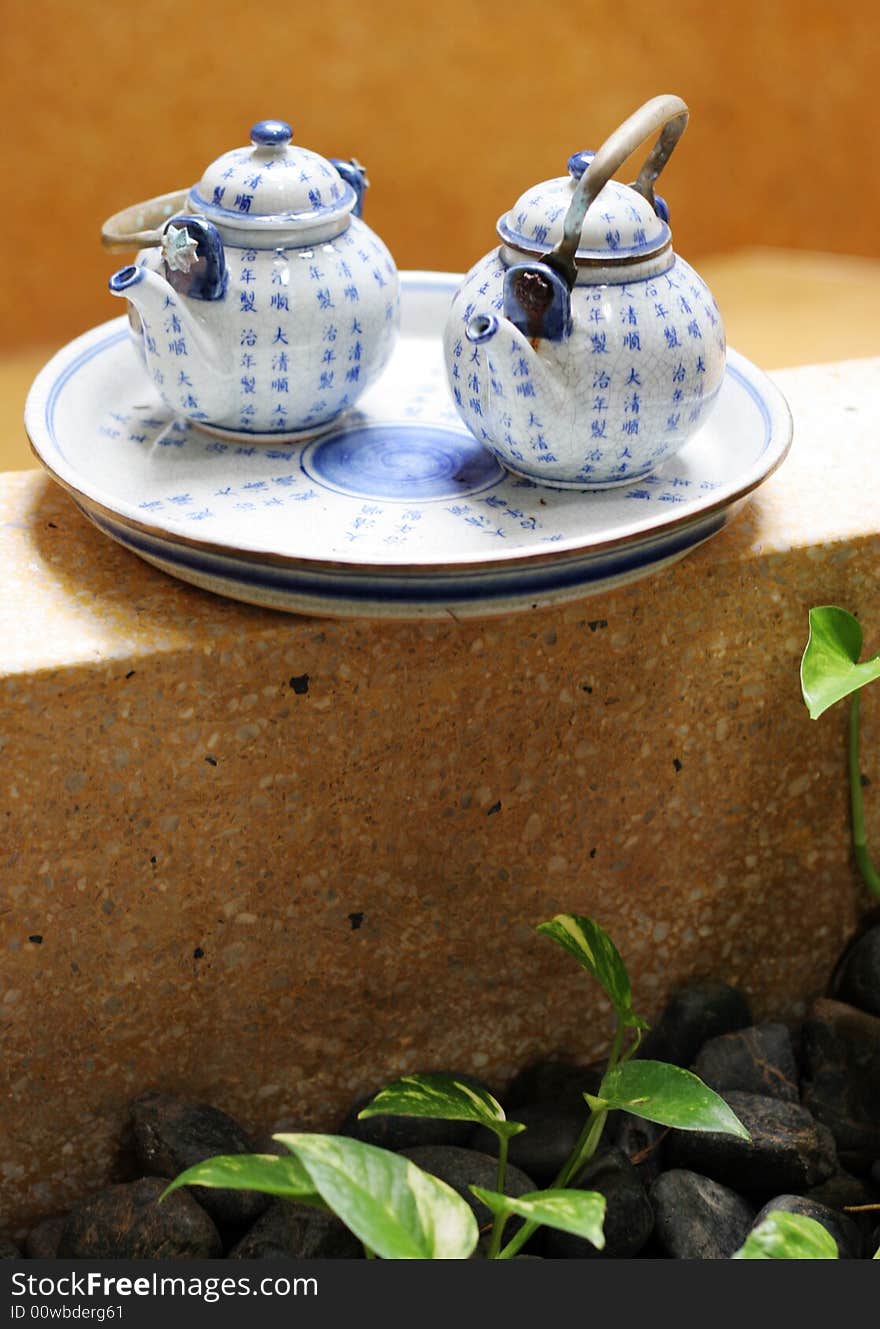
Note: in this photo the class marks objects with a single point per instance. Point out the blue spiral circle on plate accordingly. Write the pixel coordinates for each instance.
(401, 463)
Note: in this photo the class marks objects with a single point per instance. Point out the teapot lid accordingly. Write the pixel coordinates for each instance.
(620, 227)
(272, 183)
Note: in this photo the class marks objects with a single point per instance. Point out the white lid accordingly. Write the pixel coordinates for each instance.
(273, 183)
(620, 224)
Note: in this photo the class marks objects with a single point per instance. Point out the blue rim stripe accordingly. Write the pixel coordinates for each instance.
(112, 339)
(264, 220)
(510, 584)
(648, 249)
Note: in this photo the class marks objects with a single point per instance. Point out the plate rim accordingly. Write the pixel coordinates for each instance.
(634, 534)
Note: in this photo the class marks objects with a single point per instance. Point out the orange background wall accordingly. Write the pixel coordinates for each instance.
(454, 107)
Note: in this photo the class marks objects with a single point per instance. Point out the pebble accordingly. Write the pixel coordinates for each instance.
(552, 1131)
(642, 1142)
(552, 1082)
(857, 977)
(42, 1241)
(697, 1218)
(172, 1134)
(290, 1231)
(840, 1048)
(126, 1222)
(756, 1060)
(629, 1218)
(788, 1151)
(694, 1014)
(844, 1189)
(841, 1227)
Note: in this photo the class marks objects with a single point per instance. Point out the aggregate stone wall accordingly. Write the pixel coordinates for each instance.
(273, 862)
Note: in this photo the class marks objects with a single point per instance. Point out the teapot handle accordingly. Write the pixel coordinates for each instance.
(667, 113)
(141, 225)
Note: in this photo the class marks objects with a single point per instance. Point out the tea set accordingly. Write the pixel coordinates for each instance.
(582, 351)
(309, 429)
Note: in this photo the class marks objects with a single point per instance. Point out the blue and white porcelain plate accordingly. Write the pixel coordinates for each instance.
(397, 512)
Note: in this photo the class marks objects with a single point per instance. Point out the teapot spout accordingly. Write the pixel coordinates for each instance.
(174, 337)
(481, 328)
(520, 363)
(158, 304)
(140, 285)
(505, 367)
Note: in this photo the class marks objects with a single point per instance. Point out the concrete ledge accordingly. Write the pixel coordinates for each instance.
(220, 878)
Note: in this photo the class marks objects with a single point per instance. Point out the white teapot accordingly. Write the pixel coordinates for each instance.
(264, 304)
(583, 352)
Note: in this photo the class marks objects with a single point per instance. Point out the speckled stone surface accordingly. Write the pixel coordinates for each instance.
(272, 861)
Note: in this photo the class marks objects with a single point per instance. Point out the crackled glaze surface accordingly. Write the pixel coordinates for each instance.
(604, 406)
(298, 337)
(620, 223)
(271, 179)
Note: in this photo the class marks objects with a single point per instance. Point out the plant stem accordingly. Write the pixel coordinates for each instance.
(870, 875)
(371, 1255)
(587, 1144)
(516, 1243)
(495, 1240)
(577, 1161)
(498, 1224)
(632, 1049)
(502, 1163)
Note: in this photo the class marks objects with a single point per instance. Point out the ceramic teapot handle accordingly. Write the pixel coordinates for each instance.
(140, 226)
(667, 113)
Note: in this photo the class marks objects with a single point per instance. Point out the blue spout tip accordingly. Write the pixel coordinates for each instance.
(125, 278)
(481, 328)
(271, 133)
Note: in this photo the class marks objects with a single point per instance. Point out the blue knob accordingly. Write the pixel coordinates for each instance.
(578, 163)
(271, 134)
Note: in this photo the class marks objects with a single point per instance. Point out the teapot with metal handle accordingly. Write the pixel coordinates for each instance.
(583, 351)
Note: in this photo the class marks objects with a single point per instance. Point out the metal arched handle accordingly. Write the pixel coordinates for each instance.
(667, 113)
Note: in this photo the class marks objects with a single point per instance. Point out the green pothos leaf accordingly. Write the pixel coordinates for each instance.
(784, 1236)
(579, 1212)
(270, 1173)
(670, 1096)
(396, 1209)
(443, 1097)
(830, 668)
(595, 951)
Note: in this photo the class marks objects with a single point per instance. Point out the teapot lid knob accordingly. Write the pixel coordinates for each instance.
(271, 134)
(578, 163)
